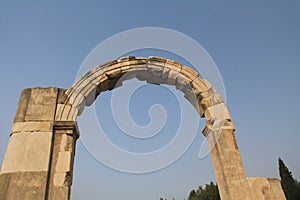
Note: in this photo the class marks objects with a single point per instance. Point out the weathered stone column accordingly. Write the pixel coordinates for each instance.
(62, 160)
(229, 171)
(28, 167)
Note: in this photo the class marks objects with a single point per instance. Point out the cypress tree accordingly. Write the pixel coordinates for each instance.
(289, 185)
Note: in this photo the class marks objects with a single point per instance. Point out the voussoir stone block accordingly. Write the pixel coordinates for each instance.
(169, 76)
(156, 60)
(200, 85)
(62, 96)
(155, 70)
(173, 65)
(128, 66)
(65, 112)
(132, 64)
(210, 98)
(183, 85)
(189, 73)
(113, 73)
(105, 83)
(192, 98)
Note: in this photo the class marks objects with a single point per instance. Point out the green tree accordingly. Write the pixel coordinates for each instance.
(192, 195)
(210, 192)
(290, 186)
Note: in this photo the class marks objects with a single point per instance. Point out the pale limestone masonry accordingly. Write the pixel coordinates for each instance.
(39, 160)
(276, 188)
(266, 188)
(27, 152)
(35, 141)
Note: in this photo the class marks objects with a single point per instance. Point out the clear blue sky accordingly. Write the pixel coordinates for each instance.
(255, 45)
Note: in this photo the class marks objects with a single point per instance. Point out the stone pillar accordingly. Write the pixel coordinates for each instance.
(62, 160)
(27, 166)
(229, 171)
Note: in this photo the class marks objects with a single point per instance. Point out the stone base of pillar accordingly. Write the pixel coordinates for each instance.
(266, 188)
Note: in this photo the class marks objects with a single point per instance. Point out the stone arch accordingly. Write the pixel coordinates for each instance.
(155, 70)
(39, 159)
(219, 129)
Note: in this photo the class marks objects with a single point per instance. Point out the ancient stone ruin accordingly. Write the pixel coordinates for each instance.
(39, 160)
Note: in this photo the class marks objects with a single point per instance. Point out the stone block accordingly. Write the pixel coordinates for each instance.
(183, 85)
(277, 189)
(131, 64)
(87, 84)
(41, 105)
(77, 101)
(215, 112)
(63, 162)
(59, 179)
(108, 84)
(200, 85)
(173, 65)
(127, 68)
(59, 193)
(127, 58)
(87, 80)
(27, 151)
(89, 94)
(62, 96)
(169, 76)
(261, 189)
(113, 65)
(192, 98)
(141, 68)
(156, 60)
(32, 127)
(113, 73)
(65, 113)
(23, 185)
(4, 185)
(155, 70)
(103, 84)
(66, 143)
(143, 75)
(151, 75)
(210, 98)
(189, 73)
(220, 124)
(201, 110)
(22, 105)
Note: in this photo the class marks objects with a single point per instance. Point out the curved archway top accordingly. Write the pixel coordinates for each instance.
(154, 70)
